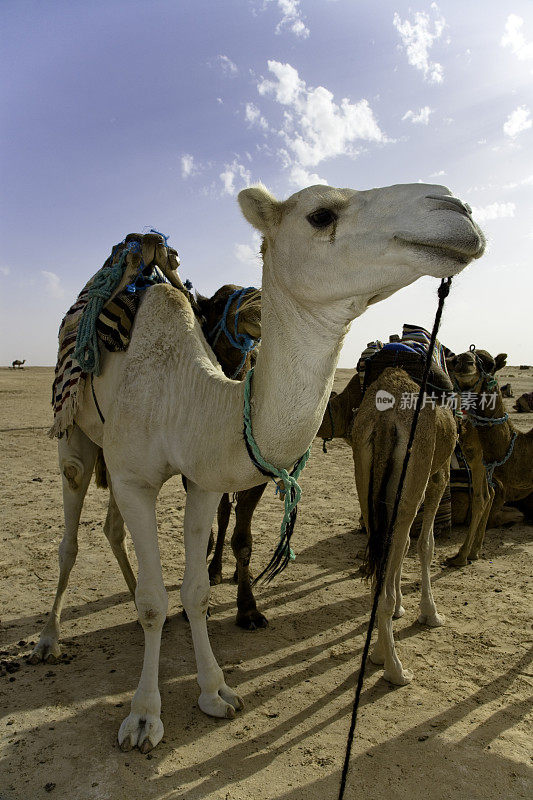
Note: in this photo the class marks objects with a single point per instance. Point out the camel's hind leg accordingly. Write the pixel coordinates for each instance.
(384, 651)
(426, 547)
(76, 461)
(248, 615)
(116, 536)
(223, 516)
(216, 698)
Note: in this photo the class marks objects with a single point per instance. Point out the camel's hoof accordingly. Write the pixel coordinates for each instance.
(144, 731)
(473, 556)
(126, 745)
(432, 620)
(223, 703)
(399, 612)
(456, 561)
(46, 650)
(251, 620)
(401, 678)
(146, 746)
(215, 578)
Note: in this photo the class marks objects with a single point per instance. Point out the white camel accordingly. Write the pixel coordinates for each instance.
(168, 409)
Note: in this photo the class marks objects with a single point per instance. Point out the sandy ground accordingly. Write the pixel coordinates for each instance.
(460, 730)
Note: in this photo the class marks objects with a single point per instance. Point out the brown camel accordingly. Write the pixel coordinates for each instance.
(18, 364)
(379, 440)
(500, 457)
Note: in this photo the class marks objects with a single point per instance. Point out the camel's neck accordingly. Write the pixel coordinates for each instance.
(341, 411)
(294, 372)
(495, 439)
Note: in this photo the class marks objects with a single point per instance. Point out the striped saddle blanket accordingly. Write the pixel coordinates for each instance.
(113, 326)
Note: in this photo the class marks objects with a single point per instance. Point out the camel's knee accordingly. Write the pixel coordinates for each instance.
(152, 607)
(195, 598)
(68, 549)
(73, 471)
(387, 602)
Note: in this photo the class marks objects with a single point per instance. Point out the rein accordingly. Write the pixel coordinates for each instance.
(240, 341)
(443, 291)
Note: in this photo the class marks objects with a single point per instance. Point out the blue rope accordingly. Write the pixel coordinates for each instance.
(106, 280)
(240, 341)
(86, 351)
(480, 422)
(491, 465)
(291, 491)
(166, 238)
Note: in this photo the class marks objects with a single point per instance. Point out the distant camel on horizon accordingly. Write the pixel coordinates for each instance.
(16, 363)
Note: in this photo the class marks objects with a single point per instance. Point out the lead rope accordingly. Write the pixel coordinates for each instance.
(443, 292)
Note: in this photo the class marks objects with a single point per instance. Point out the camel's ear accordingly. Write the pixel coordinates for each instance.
(499, 362)
(451, 361)
(260, 208)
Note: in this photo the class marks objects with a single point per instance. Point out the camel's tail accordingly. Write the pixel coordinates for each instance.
(100, 470)
(381, 490)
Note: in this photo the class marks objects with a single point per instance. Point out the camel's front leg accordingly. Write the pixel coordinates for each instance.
(482, 497)
(216, 698)
(143, 726)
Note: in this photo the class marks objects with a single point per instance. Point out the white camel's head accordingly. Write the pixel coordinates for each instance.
(326, 244)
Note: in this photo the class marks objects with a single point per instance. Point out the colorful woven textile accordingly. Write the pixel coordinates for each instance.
(418, 338)
(69, 379)
(114, 324)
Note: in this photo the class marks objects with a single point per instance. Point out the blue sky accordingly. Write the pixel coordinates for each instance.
(128, 114)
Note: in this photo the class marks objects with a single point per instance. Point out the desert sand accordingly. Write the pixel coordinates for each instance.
(459, 730)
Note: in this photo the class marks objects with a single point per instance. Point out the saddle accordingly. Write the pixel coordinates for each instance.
(404, 357)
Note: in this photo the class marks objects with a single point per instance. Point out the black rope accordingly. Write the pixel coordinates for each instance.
(329, 438)
(444, 290)
(96, 401)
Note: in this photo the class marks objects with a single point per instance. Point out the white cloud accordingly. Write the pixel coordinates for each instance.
(301, 178)
(422, 118)
(254, 117)
(233, 172)
(418, 38)
(188, 166)
(527, 181)
(5, 271)
(517, 122)
(52, 284)
(493, 211)
(515, 39)
(291, 18)
(247, 253)
(315, 127)
(227, 65)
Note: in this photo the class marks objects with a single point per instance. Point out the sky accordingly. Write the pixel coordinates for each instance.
(122, 115)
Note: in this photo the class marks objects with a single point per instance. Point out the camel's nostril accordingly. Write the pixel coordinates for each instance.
(448, 201)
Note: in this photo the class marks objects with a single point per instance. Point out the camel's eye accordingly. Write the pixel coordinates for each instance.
(322, 217)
